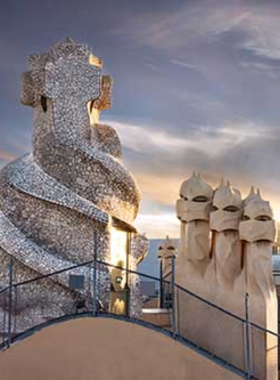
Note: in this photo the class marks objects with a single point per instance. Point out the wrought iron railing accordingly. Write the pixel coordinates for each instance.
(36, 301)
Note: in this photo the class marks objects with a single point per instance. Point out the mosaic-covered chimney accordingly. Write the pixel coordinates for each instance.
(74, 184)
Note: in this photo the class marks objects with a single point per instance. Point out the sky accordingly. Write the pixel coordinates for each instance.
(196, 86)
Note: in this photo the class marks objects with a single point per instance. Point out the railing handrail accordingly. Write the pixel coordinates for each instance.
(167, 274)
(185, 290)
(4, 289)
(52, 274)
(79, 266)
(210, 303)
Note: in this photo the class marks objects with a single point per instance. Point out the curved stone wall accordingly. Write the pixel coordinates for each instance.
(103, 349)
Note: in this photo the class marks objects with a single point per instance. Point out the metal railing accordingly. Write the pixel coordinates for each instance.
(86, 289)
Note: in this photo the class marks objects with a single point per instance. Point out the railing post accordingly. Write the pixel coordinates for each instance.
(247, 327)
(4, 322)
(173, 296)
(178, 311)
(10, 301)
(15, 310)
(278, 339)
(94, 296)
(161, 285)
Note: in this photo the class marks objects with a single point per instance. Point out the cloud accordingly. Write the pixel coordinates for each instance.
(183, 64)
(6, 156)
(209, 140)
(163, 190)
(159, 225)
(263, 32)
(255, 23)
(245, 153)
(195, 82)
(184, 23)
(258, 68)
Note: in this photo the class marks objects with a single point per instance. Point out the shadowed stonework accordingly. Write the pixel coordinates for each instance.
(72, 185)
